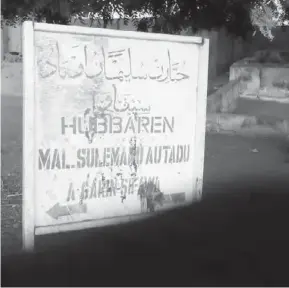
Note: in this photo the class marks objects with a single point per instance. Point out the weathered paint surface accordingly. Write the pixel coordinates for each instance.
(115, 126)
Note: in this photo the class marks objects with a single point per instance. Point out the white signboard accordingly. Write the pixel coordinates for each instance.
(114, 125)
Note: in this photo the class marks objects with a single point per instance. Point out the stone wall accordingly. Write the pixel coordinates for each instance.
(280, 41)
(225, 99)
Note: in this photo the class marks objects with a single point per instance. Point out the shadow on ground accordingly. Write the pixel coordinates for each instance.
(237, 239)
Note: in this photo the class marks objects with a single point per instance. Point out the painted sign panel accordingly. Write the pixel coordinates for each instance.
(114, 127)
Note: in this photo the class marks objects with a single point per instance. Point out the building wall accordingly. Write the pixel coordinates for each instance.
(224, 49)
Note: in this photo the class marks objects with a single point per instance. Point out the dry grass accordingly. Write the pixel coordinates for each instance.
(11, 214)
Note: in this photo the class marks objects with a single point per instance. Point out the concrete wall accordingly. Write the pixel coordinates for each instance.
(280, 41)
(224, 49)
(264, 80)
(213, 52)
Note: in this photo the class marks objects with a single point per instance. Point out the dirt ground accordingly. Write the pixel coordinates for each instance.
(228, 159)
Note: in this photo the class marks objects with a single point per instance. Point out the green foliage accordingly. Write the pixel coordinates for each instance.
(206, 14)
(166, 16)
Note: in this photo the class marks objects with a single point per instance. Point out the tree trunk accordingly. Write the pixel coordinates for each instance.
(48, 16)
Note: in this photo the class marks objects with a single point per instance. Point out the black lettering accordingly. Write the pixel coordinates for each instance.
(124, 189)
(139, 155)
(64, 125)
(44, 159)
(80, 126)
(90, 157)
(156, 122)
(117, 121)
(96, 162)
(115, 156)
(93, 189)
(166, 153)
(113, 187)
(92, 124)
(109, 184)
(130, 186)
(169, 125)
(144, 123)
(81, 158)
(71, 193)
(100, 189)
(172, 155)
(85, 189)
(55, 160)
(107, 157)
(118, 184)
(123, 158)
(129, 125)
(157, 155)
(63, 160)
(187, 153)
(102, 163)
(151, 179)
(180, 153)
(149, 159)
(102, 122)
